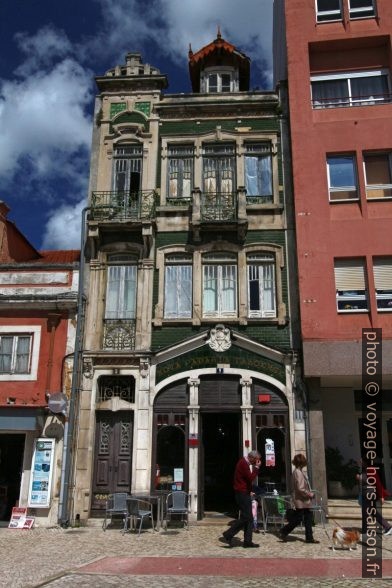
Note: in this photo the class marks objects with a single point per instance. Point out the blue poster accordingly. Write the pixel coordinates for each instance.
(41, 473)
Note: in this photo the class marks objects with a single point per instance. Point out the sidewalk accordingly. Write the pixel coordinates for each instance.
(90, 557)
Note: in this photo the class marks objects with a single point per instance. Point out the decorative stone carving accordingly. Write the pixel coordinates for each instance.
(220, 339)
(88, 368)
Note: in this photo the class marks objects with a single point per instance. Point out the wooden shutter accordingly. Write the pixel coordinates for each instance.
(350, 274)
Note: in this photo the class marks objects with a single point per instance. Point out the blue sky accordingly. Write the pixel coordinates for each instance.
(51, 50)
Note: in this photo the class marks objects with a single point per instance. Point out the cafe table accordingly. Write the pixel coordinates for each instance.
(156, 498)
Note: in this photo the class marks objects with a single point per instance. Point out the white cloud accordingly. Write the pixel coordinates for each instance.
(45, 132)
(62, 230)
(173, 24)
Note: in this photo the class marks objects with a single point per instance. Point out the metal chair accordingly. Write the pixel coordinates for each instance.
(274, 509)
(116, 504)
(318, 506)
(177, 504)
(138, 510)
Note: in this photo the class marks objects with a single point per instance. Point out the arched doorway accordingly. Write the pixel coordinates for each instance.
(170, 430)
(271, 435)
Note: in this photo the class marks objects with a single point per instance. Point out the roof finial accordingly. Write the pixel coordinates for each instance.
(190, 52)
(219, 36)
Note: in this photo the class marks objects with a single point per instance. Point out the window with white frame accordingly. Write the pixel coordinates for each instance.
(218, 81)
(121, 287)
(365, 88)
(15, 353)
(180, 171)
(382, 271)
(350, 282)
(342, 178)
(258, 171)
(261, 285)
(178, 286)
(327, 10)
(127, 168)
(378, 175)
(219, 285)
(362, 8)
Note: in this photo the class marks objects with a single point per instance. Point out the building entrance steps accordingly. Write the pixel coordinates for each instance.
(343, 509)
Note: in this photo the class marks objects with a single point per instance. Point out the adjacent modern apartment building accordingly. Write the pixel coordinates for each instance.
(190, 350)
(336, 56)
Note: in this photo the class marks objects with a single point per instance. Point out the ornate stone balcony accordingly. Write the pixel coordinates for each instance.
(123, 206)
(219, 211)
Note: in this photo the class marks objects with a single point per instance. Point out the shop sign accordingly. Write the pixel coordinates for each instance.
(19, 519)
(41, 473)
(269, 453)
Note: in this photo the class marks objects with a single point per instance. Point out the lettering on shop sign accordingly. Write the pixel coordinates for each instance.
(237, 360)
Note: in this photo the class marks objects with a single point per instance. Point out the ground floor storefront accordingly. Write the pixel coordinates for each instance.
(180, 419)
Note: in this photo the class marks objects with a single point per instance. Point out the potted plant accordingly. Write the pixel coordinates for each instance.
(340, 474)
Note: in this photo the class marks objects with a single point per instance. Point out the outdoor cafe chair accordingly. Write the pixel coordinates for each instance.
(274, 509)
(116, 504)
(177, 504)
(138, 510)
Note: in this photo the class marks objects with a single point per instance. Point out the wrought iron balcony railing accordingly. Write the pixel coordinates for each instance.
(119, 334)
(123, 206)
(218, 207)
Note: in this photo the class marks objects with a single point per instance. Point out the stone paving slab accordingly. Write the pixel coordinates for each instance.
(30, 557)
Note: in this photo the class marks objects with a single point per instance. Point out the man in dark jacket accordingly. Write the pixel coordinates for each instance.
(247, 469)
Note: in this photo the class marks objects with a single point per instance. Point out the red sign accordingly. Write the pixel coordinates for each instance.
(19, 519)
(264, 398)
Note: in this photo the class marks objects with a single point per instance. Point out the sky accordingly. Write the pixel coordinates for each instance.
(51, 51)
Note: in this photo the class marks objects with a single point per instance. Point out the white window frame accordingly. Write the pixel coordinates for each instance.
(178, 260)
(378, 186)
(261, 260)
(123, 262)
(24, 330)
(184, 152)
(343, 188)
(384, 293)
(339, 13)
(357, 13)
(219, 261)
(371, 101)
(219, 71)
(350, 264)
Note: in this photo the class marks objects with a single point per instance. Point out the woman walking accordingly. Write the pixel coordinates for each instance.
(302, 495)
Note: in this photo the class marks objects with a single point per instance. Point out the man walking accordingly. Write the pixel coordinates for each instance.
(247, 469)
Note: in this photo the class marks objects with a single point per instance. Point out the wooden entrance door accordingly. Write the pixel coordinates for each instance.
(113, 455)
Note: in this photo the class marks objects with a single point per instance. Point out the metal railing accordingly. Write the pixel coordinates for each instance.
(345, 101)
(259, 199)
(123, 206)
(119, 334)
(218, 207)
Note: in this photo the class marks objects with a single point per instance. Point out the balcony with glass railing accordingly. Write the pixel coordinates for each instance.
(123, 206)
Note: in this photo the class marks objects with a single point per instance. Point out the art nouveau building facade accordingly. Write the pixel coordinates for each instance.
(189, 351)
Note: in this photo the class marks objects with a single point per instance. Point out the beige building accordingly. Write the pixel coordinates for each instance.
(189, 352)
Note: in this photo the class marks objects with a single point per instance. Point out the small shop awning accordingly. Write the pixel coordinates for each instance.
(21, 419)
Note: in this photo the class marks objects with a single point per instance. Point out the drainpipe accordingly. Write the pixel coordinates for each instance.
(70, 419)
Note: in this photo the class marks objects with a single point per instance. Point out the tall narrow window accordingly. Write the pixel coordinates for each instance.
(180, 171)
(178, 286)
(378, 175)
(258, 171)
(382, 270)
(15, 354)
(261, 286)
(350, 282)
(219, 285)
(219, 169)
(342, 177)
(127, 169)
(121, 288)
(328, 10)
(362, 8)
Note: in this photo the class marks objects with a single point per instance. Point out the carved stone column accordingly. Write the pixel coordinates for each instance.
(246, 409)
(193, 451)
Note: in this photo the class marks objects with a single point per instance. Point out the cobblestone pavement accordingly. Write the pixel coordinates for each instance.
(33, 558)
